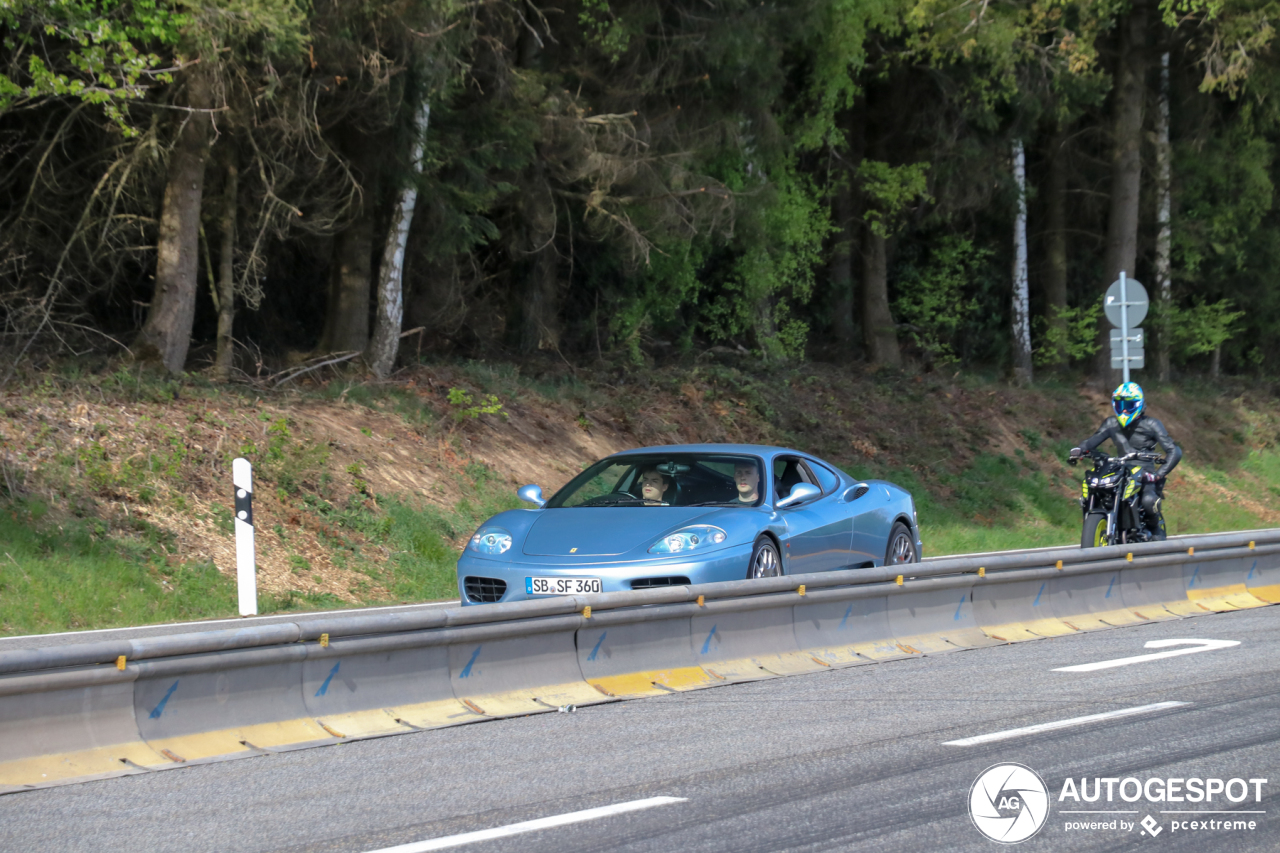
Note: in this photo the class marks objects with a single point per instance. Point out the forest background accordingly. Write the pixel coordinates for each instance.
(243, 185)
(405, 255)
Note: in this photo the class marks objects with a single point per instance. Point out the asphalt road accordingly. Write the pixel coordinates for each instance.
(839, 760)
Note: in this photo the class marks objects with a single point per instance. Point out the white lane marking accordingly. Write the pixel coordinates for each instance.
(1064, 724)
(352, 611)
(1197, 646)
(530, 826)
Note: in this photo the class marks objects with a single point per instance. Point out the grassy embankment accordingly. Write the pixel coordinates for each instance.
(113, 512)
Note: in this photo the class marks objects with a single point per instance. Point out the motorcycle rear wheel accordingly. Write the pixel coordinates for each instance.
(1094, 532)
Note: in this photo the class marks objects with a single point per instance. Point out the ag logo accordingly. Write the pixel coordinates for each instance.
(1008, 803)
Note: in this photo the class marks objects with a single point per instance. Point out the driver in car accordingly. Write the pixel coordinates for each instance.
(653, 486)
(746, 475)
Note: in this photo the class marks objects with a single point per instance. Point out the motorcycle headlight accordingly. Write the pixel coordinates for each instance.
(688, 539)
(491, 540)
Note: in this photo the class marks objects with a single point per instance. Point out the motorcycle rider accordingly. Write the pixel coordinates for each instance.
(1134, 432)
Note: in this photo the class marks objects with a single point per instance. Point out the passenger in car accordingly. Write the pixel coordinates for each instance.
(747, 477)
(654, 486)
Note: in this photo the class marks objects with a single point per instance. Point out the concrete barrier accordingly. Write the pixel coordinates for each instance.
(934, 616)
(748, 646)
(192, 698)
(648, 658)
(1220, 585)
(223, 705)
(48, 737)
(355, 695)
(1014, 612)
(530, 675)
(1093, 602)
(1263, 577)
(846, 632)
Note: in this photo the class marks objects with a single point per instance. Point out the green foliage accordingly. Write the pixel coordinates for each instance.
(933, 305)
(1069, 333)
(1225, 191)
(890, 191)
(1201, 327)
(465, 408)
(604, 29)
(100, 52)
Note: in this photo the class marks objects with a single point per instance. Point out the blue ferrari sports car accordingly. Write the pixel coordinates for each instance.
(688, 514)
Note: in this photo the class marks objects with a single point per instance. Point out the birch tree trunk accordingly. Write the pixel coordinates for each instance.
(1021, 295)
(1126, 167)
(1055, 278)
(166, 334)
(381, 354)
(222, 362)
(1164, 240)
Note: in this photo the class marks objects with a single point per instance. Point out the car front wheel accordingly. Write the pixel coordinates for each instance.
(764, 560)
(902, 547)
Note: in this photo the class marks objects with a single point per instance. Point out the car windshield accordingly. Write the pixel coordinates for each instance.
(666, 479)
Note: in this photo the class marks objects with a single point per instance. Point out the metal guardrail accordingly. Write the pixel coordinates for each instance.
(75, 712)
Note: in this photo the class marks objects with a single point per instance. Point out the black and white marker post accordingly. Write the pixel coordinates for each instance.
(246, 576)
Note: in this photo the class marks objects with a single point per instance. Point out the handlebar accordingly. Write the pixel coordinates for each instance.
(1099, 457)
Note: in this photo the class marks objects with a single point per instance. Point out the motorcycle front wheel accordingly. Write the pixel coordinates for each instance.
(1094, 533)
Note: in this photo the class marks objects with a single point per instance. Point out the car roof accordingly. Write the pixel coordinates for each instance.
(746, 449)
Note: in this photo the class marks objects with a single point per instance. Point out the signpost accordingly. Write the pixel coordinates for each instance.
(1126, 306)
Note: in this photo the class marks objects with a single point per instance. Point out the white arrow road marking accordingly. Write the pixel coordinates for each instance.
(529, 826)
(1197, 646)
(1064, 724)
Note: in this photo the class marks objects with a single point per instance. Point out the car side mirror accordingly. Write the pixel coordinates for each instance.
(532, 494)
(799, 492)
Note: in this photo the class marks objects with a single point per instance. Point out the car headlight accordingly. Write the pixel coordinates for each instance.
(491, 540)
(689, 539)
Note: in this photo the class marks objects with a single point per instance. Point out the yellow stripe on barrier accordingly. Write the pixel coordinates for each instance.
(1220, 599)
(1106, 619)
(534, 700)
(655, 682)
(434, 715)
(1029, 629)
(359, 724)
(227, 742)
(87, 763)
(1269, 594)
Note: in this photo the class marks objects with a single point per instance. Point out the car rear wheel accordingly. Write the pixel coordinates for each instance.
(902, 547)
(764, 560)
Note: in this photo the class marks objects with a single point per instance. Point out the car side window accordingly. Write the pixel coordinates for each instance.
(787, 471)
(826, 478)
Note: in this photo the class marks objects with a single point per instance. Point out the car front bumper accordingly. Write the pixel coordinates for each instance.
(723, 565)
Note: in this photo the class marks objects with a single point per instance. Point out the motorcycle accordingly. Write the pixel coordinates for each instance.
(1112, 499)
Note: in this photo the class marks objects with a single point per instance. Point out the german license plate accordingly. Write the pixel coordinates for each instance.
(561, 586)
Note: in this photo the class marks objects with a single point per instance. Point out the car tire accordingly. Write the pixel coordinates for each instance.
(902, 546)
(1094, 531)
(765, 562)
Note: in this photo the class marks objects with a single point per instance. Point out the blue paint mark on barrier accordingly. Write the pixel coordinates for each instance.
(1251, 568)
(594, 651)
(324, 688)
(706, 647)
(159, 709)
(1194, 575)
(466, 670)
(1113, 583)
(958, 606)
(847, 614)
(1036, 603)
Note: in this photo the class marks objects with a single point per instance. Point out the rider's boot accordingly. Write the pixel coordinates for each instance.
(1158, 532)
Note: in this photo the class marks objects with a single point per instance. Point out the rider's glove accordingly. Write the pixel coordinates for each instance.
(1148, 477)
(1074, 455)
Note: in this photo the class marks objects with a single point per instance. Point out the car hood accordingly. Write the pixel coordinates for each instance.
(603, 531)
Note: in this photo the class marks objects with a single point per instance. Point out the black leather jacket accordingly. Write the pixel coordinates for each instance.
(1141, 436)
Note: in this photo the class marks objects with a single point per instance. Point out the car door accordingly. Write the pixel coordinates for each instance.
(819, 531)
(872, 518)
